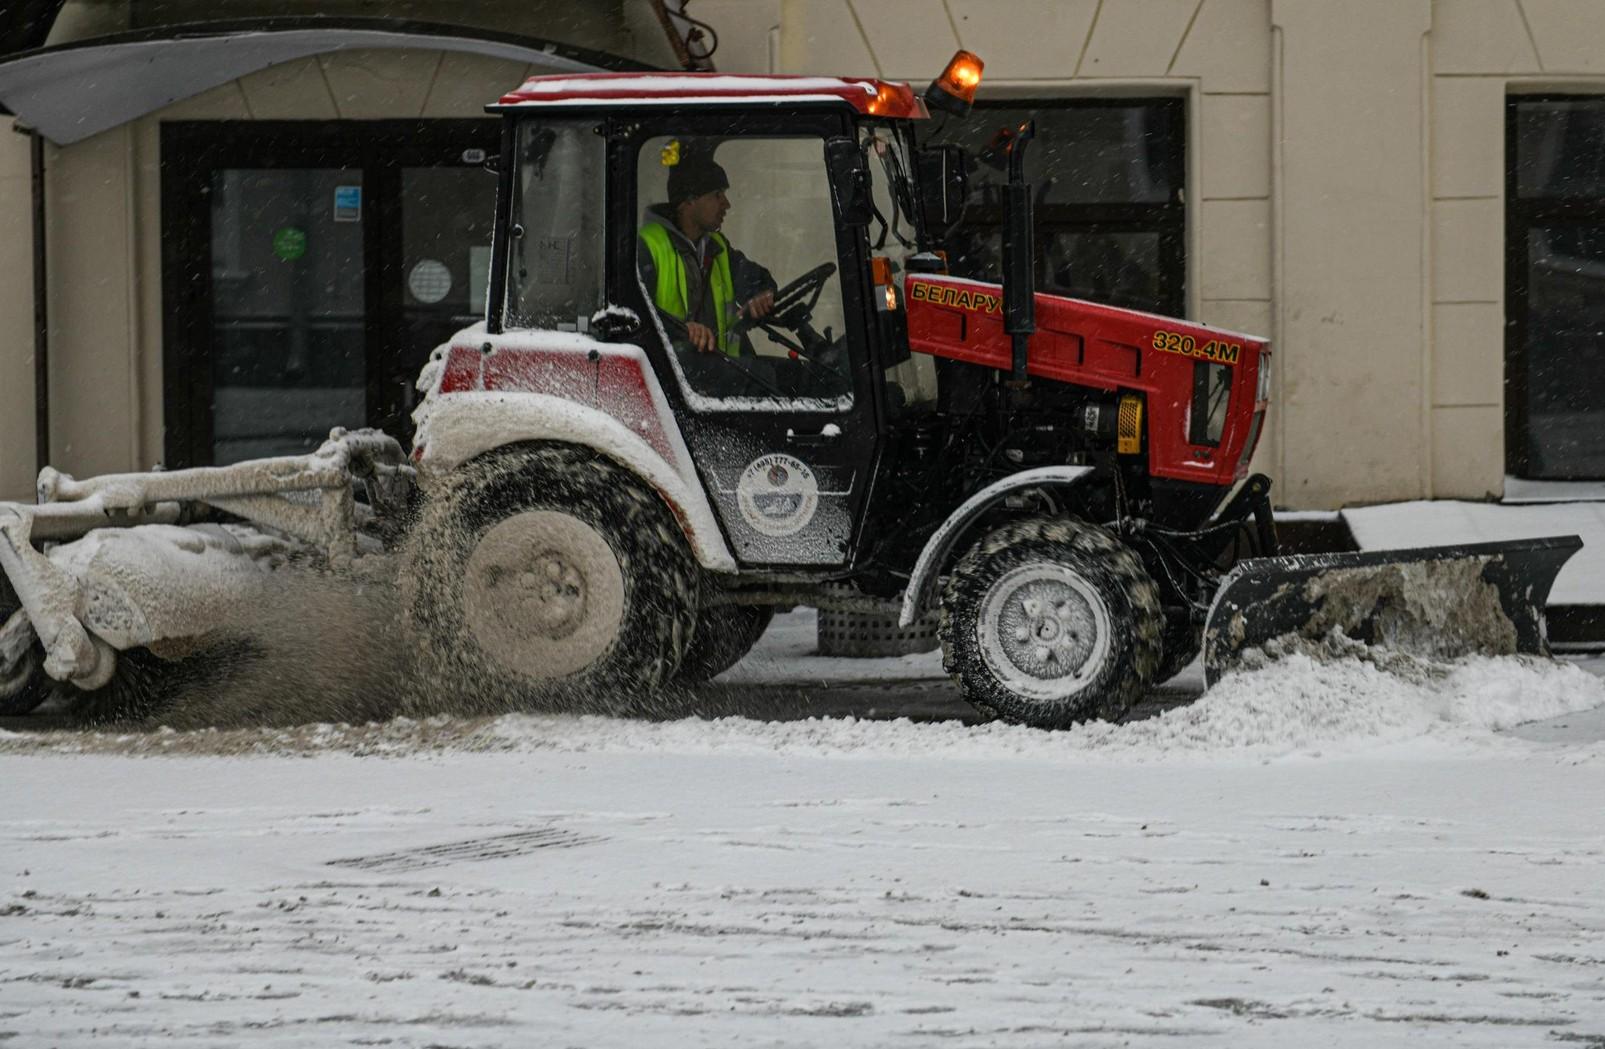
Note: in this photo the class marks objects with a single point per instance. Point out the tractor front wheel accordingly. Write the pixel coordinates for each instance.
(1051, 621)
(545, 575)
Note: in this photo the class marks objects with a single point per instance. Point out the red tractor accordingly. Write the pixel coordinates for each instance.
(604, 504)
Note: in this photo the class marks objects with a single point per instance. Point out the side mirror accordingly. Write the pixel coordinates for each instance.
(849, 181)
(944, 186)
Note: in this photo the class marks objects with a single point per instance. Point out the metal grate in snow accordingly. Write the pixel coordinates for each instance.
(474, 850)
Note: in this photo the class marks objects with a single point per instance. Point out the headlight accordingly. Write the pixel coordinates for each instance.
(1262, 391)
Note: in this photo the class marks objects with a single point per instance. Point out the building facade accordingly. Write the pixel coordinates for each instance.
(1407, 196)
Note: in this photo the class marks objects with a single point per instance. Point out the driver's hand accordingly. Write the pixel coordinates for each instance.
(761, 305)
(701, 337)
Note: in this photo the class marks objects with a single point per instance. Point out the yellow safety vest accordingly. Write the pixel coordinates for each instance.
(670, 294)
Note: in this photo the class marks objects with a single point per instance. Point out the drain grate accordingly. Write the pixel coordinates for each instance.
(474, 850)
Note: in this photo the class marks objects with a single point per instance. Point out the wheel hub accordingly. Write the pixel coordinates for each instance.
(1044, 631)
(555, 593)
(544, 594)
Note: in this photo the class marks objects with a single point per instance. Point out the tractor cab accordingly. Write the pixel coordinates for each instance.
(746, 234)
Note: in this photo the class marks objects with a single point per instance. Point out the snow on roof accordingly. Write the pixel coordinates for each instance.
(867, 95)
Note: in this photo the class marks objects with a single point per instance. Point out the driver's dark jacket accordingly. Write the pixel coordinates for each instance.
(747, 277)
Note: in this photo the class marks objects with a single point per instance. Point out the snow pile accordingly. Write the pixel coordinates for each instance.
(1299, 704)
(1295, 704)
(1302, 701)
(1297, 698)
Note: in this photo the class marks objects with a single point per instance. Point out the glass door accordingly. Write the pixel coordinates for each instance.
(439, 285)
(308, 270)
(288, 358)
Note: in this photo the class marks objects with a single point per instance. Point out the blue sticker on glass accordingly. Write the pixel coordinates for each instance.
(348, 203)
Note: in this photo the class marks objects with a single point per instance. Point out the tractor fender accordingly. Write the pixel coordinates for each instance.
(461, 426)
(939, 547)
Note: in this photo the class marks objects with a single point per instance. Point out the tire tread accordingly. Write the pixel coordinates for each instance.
(1131, 592)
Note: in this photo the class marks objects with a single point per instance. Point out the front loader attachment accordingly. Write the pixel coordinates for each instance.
(1438, 602)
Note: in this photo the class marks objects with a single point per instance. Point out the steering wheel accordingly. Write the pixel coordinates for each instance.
(794, 303)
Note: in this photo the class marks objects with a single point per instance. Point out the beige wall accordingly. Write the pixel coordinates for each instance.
(16, 317)
(1349, 164)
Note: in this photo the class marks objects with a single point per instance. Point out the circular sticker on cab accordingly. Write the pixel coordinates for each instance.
(778, 494)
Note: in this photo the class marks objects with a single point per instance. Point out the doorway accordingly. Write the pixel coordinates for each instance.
(308, 269)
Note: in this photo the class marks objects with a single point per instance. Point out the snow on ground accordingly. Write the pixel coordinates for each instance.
(1311, 854)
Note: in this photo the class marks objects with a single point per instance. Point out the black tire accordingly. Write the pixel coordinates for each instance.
(1182, 643)
(24, 685)
(1091, 656)
(724, 634)
(608, 601)
(141, 689)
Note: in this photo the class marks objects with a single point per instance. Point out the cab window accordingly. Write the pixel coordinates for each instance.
(737, 257)
(554, 258)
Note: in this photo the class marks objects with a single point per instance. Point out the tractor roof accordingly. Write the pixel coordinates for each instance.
(888, 98)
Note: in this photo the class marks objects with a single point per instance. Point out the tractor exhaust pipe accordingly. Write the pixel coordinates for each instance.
(1019, 257)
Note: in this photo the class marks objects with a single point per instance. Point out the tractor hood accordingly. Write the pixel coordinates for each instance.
(1203, 386)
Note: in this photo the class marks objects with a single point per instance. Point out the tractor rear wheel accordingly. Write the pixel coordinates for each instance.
(23, 684)
(545, 575)
(1051, 621)
(724, 634)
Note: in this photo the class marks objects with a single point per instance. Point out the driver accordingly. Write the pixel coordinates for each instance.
(690, 269)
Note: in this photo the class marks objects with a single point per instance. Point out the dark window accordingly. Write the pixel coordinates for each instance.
(309, 268)
(1110, 213)
(1555, 288)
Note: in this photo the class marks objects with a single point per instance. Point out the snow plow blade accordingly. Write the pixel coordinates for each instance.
(1440, 602)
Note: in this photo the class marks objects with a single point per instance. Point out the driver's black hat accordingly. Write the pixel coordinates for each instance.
(695, 176)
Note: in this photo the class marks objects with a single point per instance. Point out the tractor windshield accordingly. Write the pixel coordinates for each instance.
(555, 265)
(893, 236)
(885, 149)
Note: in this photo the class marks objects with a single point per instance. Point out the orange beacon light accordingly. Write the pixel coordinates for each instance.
(954, 90)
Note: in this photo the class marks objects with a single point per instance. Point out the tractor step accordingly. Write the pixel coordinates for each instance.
(1438, 602)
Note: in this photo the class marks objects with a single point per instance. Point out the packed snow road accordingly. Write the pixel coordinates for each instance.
(1312, 854)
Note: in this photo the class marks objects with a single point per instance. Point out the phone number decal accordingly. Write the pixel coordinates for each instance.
(1216, 350)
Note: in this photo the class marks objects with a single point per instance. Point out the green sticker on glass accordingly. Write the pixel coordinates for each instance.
(289, 243)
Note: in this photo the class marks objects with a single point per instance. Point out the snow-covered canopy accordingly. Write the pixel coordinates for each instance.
(73, 91)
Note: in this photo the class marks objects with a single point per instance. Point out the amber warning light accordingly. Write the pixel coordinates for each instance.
(954, 90)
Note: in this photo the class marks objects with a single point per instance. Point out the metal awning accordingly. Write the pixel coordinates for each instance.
(70, 92)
